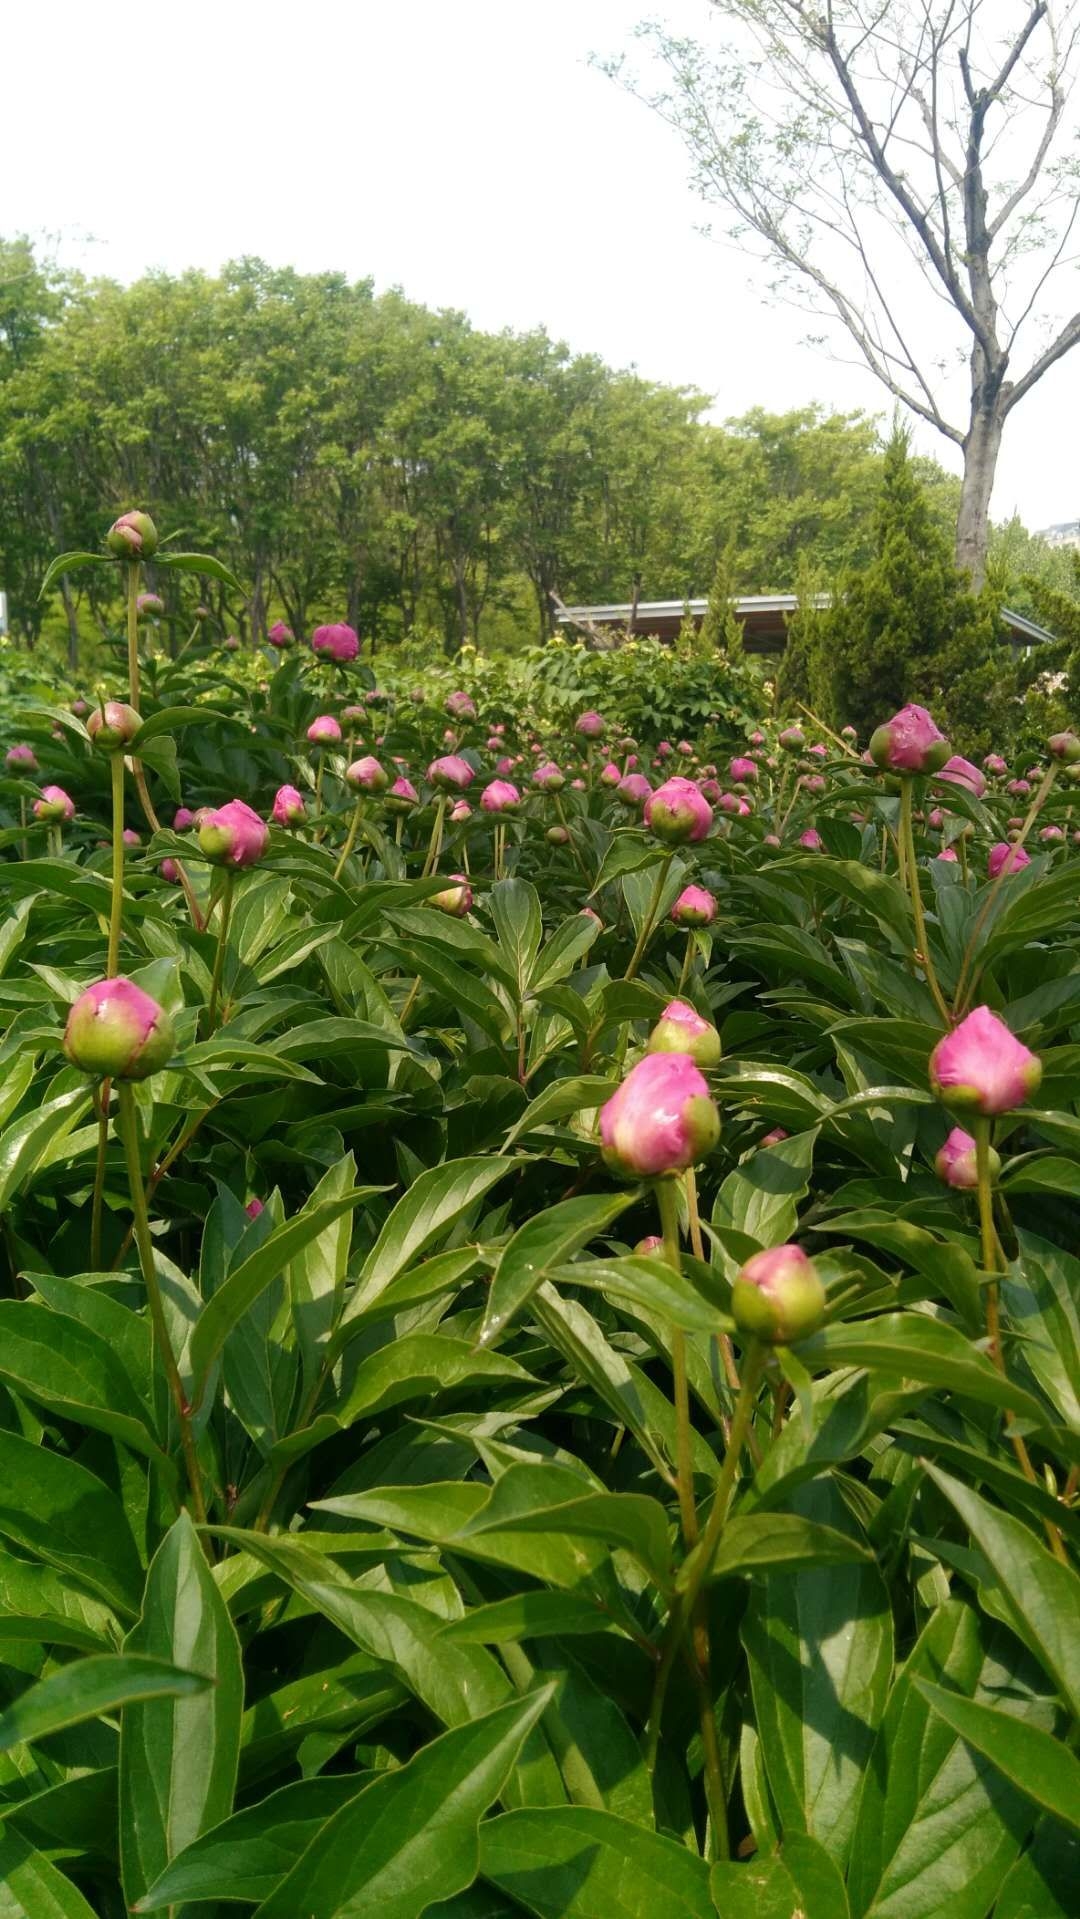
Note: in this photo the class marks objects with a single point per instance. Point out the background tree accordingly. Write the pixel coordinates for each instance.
(851, 142)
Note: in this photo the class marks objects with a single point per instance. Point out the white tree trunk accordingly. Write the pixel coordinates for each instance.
(981, 449)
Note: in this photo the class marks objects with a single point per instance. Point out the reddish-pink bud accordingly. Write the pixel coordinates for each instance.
(661, 1119)
(678, 812)
(1004, 858)
(778, 1296)
(909, 743)
(288, 807)
(338, 643)
(682, 1029)
(981, 1067)
(956, 1162)
(695, 906)
(116, 1031)
(451, 773)
(233, 835)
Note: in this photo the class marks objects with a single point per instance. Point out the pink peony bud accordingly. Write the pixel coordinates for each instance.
(957, 1164)
(813, 783)
(652, 1243)
(711, 790)
(460, 706)
(909, 743)
(792, 739)
(664, 750)
(849, 733)
(324, 731)
(661, 1119)
(233, 835)
(812, 840)
(981, 1068)
(253, 1208)
(54, 805)
(21, 759)
(231, 643)
(577, 786)
(778, 1297)
(947, 855)
(678, 811)
(774, 1138)
(694, 907)
(149, 606)
(460, 812)
(1021, 788)
(728, 803)
(1064, 747)
(367, 776)
(130, 837)
(170, 872)
(591, 725)
(401, 797)
(995, 765)
(80, 709)
(116, 1031)
(935, 819)
(504, 765)
(132, 537)
(182, 819)
(338, 643)
(819, 751)
(960, 772)
(281, 635)
(681, 1029)
(549, 776)
(1052, 835)
(743, 772)
(610, 775)
(456, 900)
(633, 790)
(288, 807)
(1004, 858)
(500, 796)
(113, 726)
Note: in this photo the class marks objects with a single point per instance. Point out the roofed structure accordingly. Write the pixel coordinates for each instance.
(763, 617)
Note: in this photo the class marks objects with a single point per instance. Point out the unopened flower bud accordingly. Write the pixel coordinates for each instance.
(460, 812)
(116, 1031)
(233, 835)
(182, 819)
(633, 790)
(455, 900)
(556, 836)
(678, 812)
(792, 739)
(981, 1067)
(149, 606)
(662, 1118)
(956, 1162)
(451, 773)
(695, 906)
(54, 806)
(743, 771)
(1004, 858)
(338, 643)
(1064, 747)
(132, 537)
(961, 772)
(113, 726)
(401, 797)
(681, 1029)
(288, 807)
(500, 796)
(652, 1243)
(778, 1296)
(592, 726)
(324, 730)
(909, 743)
(460, 706)
(367, 776)
(170, 872)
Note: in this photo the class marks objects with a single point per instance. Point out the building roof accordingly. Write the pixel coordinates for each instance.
(764, 618)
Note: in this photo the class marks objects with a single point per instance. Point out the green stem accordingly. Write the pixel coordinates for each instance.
(686, 960)
(350, 842)
(647, 923)
(96, 1210)
(667, 1199)
(154, 824)
(128, 1128)
(23, 850)
(56, 842)
(223, 937)
(435, 843)
(705, 1552)
(923, 954)
(117, 913)
(133, 632)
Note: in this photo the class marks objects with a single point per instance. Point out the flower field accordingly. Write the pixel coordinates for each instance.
(539, 1343)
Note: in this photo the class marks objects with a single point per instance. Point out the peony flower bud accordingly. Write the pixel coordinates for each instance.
(957, 1163)
(610, 775)
(557, 836)
(113, 726)
(1004, 858)
(743, 772)
(288, 807)
(661, 1119)
(460, 812)
(960, 772)
(909, 743)
(652, 1243)
(149, 606)
(695, 906)
(80, 709)
(678, 811)
(401, 797)
(233, 835)
(132, 537)
(253, 1208)
(500, 796)
(170, 872)
(116, 1031)
(130, 837)
(1064, 747)
(550, 777)
(281, 635)
(1050, 835)
(324, 731)
(1019, 788)
(947, 855)
(849, 733)
(367, 776)
(792, 739)
(460, 706)
(592, 726)
(981, 1067)
(812, 840)
(774, 1138)
(995, 765)
(182, 819)
(681, 1029)
(21, 759)
(813, 783)
(337, 643)
(451, 774)
(778, 1297)
(455, 900)
(54, 805)
(633, 790)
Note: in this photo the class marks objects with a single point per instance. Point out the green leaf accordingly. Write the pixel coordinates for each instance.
(27, 1141)
(203, 563)
(102, 1683)
(761, 1197)
(178, 1757)
(820, 1649)
(557, 1101)
(247, 1856)
(937, 1828)
(317, 1272)
(515, 909)
(1042, 1884)
(239, 1292)
(31, 1887)
(171, 719)
(917, 1348)
(1043, 1768)
(1041, 1596)
(530, 1615)
(412, 1836)
(70, 563)
(525, 1499)
(646, 1280)
(69, 1369)
(432, 1206)
(542, 1244)
(755, 1542)
(801, 1878)
(60, 1512)
(576, 1862)
(569, 943)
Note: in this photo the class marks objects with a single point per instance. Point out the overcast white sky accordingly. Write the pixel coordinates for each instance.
(464, 152)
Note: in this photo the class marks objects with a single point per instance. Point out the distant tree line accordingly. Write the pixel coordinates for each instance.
(354, 454)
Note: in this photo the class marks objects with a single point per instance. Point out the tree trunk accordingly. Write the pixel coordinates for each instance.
(72, 623)
(981, 449)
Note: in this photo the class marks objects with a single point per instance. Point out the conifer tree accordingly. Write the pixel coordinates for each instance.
(721, 632)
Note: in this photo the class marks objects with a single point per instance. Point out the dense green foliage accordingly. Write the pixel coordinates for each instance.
(352, 1456)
